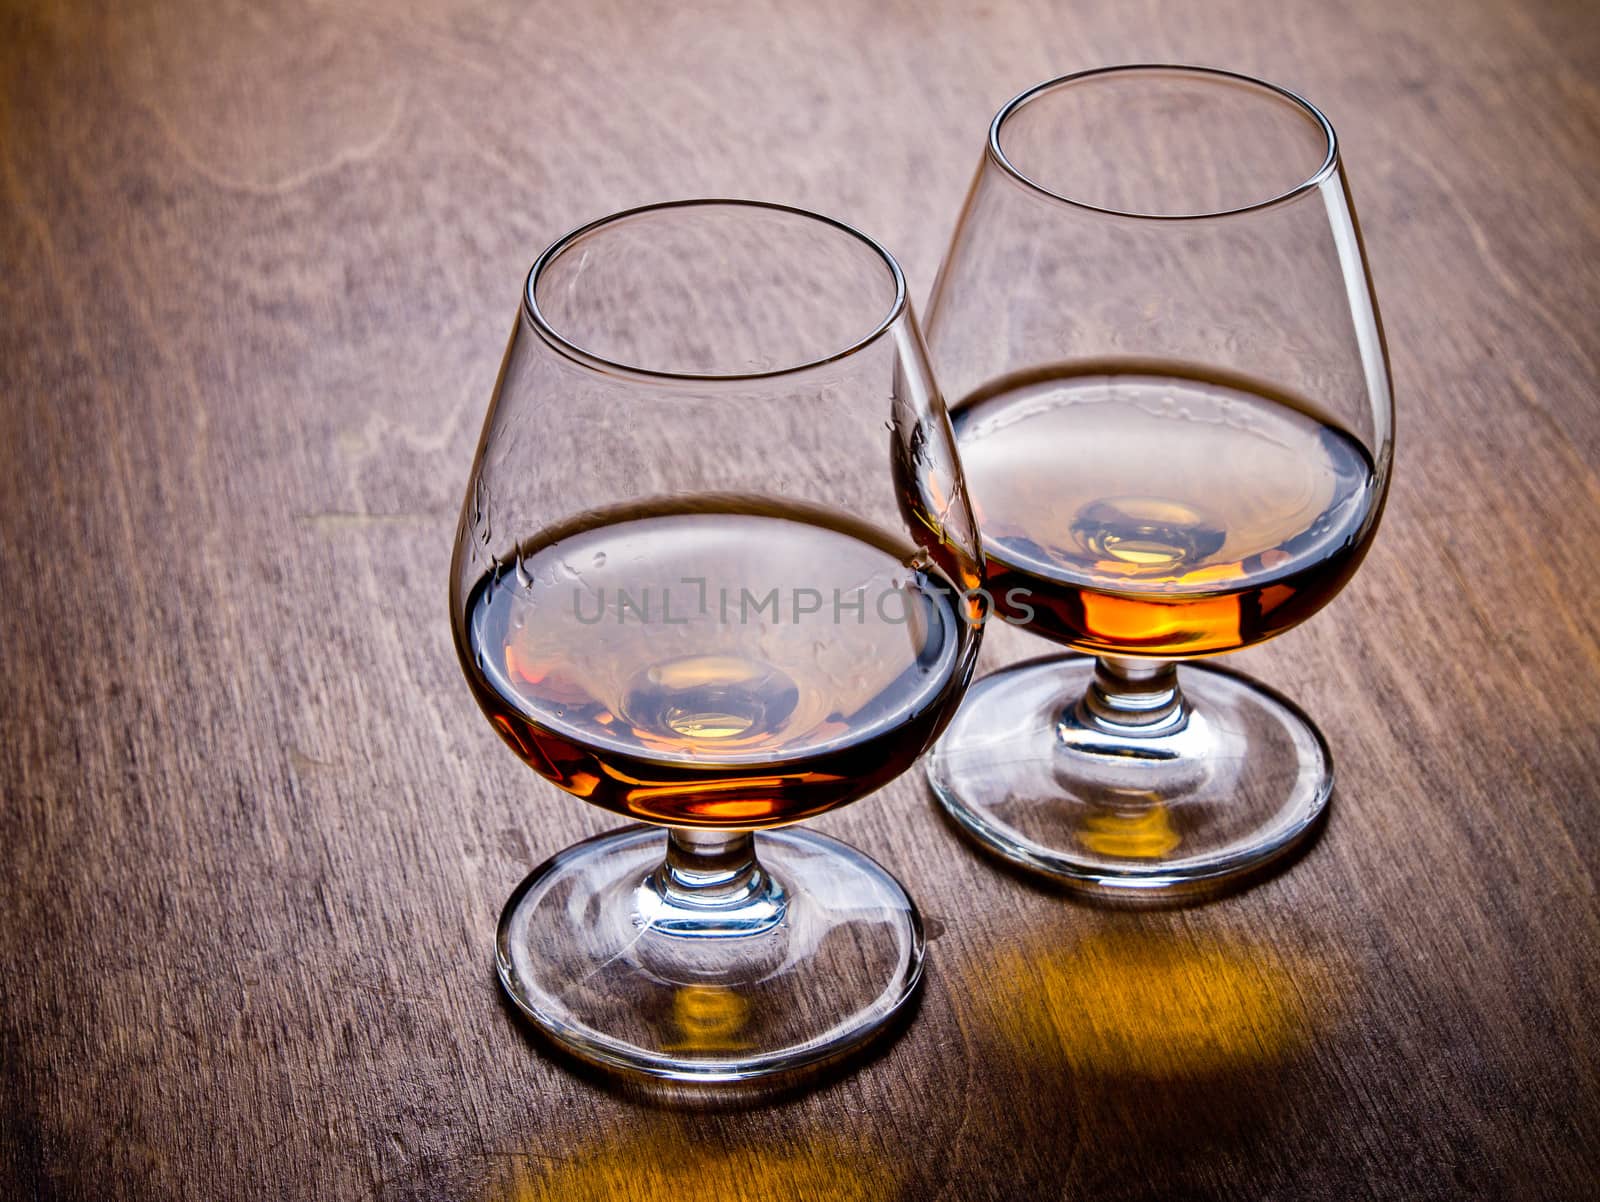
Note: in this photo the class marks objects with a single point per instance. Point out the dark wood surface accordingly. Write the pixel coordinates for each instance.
(258, 266)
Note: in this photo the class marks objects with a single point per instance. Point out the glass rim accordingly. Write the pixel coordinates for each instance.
(571, 350)
(1329, 163)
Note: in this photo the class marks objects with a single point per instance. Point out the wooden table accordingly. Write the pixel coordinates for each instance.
(259, 263)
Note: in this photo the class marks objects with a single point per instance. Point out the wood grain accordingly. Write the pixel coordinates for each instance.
(259, 261)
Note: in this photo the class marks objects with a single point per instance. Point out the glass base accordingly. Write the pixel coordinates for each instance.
(1236, 777)
(809, 963)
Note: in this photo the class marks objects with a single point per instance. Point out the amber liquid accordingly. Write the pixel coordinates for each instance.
(1129, 509)
(717, 661)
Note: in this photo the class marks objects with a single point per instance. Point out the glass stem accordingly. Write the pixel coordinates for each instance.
(713, 870)
(1134, 697)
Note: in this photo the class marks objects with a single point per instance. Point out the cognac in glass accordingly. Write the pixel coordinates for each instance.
(715, 573)
(1175, 419)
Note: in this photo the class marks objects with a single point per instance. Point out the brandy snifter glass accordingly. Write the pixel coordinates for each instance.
(1175, 418)
(715, 573)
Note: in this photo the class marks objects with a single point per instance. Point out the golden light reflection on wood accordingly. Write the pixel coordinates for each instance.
(1137, 835)
(670, 1165)
(1151, 1004)
(710, 1018)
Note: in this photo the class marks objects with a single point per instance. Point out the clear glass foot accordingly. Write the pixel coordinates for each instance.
(1109, 777)
(710, 964)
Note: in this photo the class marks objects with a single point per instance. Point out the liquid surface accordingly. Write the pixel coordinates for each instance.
(717, 663)
(1161, 514)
